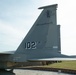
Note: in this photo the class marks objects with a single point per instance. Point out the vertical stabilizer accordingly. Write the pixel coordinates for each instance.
(43, 39)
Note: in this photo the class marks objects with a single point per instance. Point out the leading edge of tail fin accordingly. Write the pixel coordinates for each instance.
(44, 34)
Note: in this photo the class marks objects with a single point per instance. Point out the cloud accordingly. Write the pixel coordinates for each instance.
(10, 36)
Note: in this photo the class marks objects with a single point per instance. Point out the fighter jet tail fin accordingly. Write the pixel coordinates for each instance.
(43, 39)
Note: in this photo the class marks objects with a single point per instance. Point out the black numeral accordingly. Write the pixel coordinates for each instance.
(30, 45)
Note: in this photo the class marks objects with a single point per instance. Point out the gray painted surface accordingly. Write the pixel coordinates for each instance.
(43, 39)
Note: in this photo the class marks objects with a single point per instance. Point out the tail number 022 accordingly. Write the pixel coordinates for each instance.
(30, 45)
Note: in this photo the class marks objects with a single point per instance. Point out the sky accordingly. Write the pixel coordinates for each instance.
(17, 17)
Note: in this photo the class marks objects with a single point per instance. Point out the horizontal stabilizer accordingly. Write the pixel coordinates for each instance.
(53, 59)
